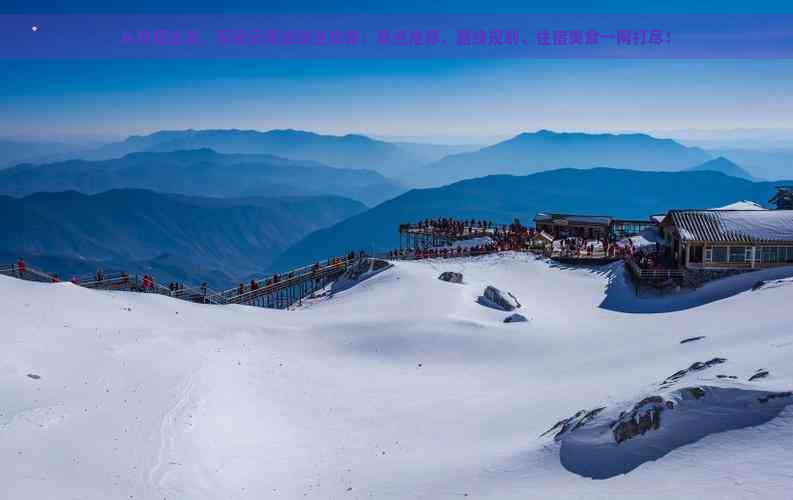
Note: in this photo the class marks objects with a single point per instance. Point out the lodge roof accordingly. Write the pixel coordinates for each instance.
(743, 226)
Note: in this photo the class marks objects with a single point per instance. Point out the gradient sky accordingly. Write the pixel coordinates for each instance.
(394, 98)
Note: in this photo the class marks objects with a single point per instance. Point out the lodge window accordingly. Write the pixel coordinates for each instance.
(695, 254)
(769, 255)
(737, 254)
(788, 256)
(719, 254)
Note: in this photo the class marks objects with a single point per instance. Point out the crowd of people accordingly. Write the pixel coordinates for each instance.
(443, 252)
(576, 247)
(497, 238)
(452, 227)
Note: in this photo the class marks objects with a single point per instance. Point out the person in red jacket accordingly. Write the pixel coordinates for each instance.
(21, 267)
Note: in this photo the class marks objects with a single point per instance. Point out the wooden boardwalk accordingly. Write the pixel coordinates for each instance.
(278, 291)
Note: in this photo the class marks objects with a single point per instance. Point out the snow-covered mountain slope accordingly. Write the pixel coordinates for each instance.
(400, 387)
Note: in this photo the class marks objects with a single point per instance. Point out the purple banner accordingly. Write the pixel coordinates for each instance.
(396, 36)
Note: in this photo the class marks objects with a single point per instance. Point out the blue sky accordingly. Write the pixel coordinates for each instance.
(471, 98)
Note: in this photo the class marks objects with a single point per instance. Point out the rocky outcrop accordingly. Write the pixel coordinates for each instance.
(606, 442)
(695, 367)
(494, 297)
(451, 277)
(760, 374)
(645, 416)
(515, 318)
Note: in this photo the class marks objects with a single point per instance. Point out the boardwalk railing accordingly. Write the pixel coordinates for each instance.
(283, 290)
(28, 273)
(277, 291)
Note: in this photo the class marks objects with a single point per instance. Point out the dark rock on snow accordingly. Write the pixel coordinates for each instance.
(695, 367)
(498, 299)
(760, 374)
(451, 277)
(515, 318)
(570, 424)
(645, 416)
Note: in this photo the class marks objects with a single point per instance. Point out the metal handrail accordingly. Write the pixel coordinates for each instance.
(303, 273)
(193, 293)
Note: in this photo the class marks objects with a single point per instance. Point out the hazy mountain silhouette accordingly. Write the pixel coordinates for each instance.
(545, 150)
(14, 151)
(201, 172)
(768, 165)
(347, 151)
(427, 153)
(185, 238)
(724, 166)
(621, 193)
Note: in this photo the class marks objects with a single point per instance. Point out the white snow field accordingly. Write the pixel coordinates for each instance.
(402, 387)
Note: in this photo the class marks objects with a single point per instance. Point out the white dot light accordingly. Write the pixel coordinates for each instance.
(35, 28)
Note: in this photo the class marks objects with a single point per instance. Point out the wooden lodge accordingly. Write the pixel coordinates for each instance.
(591, 227)
(729, 239)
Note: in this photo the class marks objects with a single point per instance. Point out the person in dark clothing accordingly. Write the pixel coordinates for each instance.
(240, 289)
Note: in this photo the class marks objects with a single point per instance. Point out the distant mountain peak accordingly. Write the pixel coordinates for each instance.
(724, 166)
(720, 161)
(531, 152)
